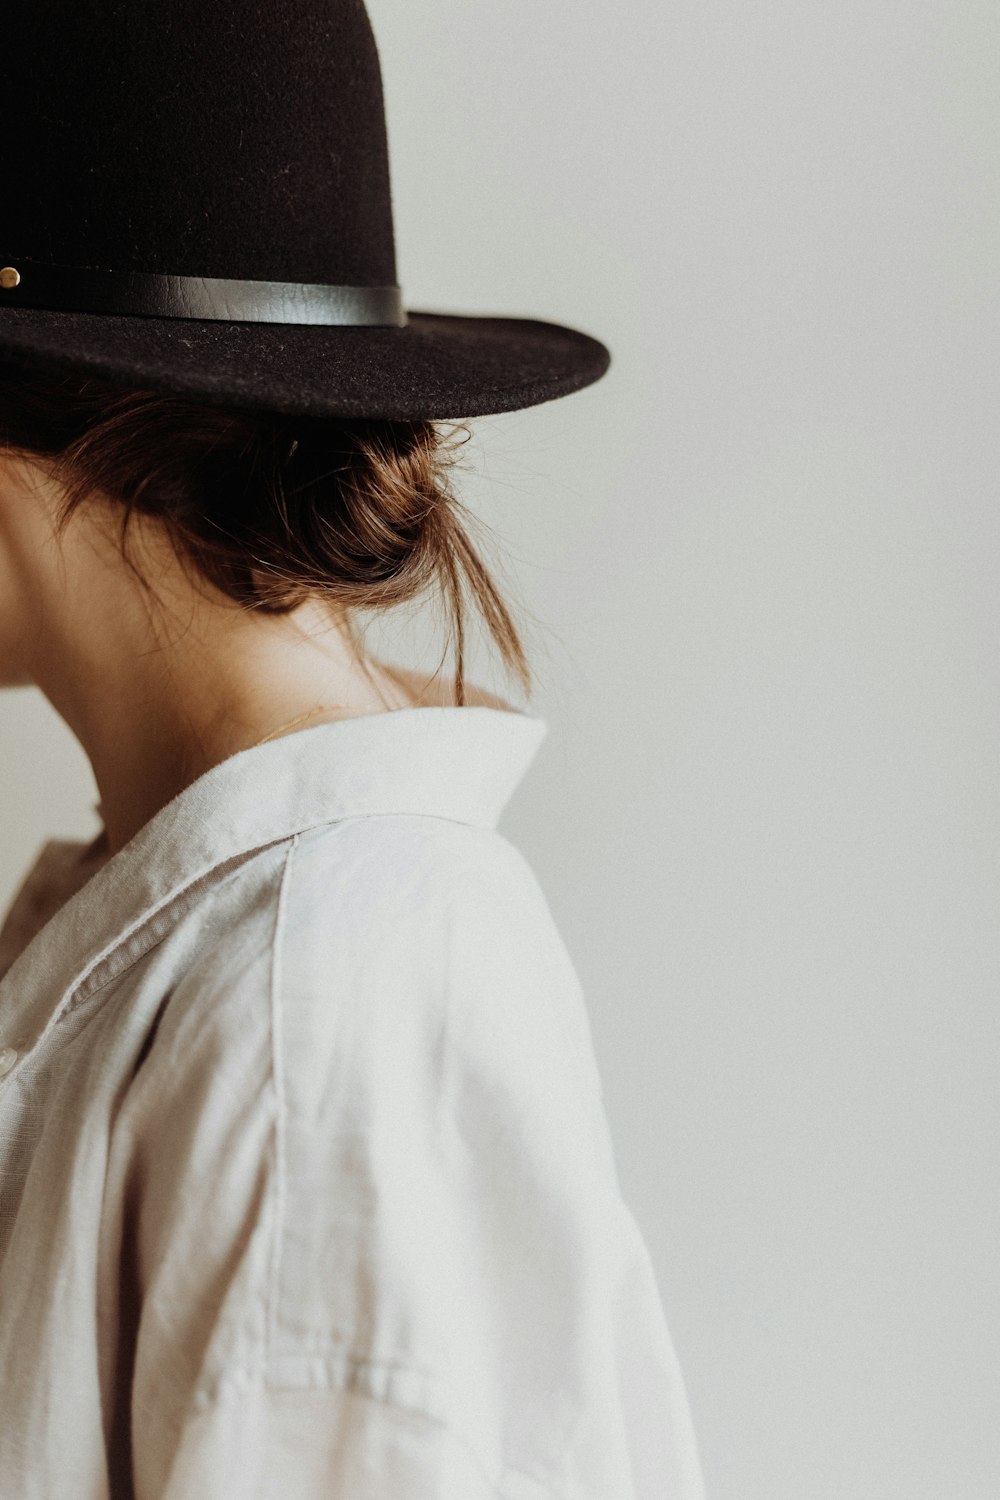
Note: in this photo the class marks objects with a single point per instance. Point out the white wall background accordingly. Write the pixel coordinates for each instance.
(761, 557)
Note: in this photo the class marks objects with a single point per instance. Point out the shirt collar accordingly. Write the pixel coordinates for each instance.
(447, 762)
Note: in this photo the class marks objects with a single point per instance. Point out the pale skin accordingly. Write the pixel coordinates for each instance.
(158, 688)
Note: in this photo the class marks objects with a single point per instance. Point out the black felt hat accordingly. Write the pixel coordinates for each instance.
(195, 198)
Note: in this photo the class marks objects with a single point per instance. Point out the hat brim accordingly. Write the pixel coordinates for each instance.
(439, 366)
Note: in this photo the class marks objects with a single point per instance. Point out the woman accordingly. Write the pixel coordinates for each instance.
(306, 1187)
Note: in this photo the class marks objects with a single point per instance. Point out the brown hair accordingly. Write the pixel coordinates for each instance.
(270, 509)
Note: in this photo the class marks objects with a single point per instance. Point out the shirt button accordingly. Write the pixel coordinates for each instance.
(8, 1057)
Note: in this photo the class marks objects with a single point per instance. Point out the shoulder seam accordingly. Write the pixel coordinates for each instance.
(277, 1073)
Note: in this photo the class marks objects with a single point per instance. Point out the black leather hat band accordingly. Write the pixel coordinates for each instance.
(32, 283)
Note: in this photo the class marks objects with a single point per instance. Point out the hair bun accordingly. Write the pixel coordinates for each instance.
(270, 510)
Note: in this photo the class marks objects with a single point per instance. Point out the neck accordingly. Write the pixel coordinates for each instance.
(155, 705)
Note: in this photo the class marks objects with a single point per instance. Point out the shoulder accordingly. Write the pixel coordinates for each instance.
(398, 907)
(374, 921)
(418, 959)
(396, 872)
(399, 904)
(364, 962)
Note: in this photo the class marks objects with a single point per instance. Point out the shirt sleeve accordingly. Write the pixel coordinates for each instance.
(379, 1248)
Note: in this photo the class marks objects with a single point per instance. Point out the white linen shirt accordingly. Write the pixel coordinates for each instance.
(306, 1185)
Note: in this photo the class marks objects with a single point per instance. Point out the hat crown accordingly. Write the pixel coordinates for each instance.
(214, 138)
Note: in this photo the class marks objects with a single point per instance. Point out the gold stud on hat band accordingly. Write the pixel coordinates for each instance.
(9, 277)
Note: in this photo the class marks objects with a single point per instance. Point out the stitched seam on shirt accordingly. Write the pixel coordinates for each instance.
(277, 1069)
